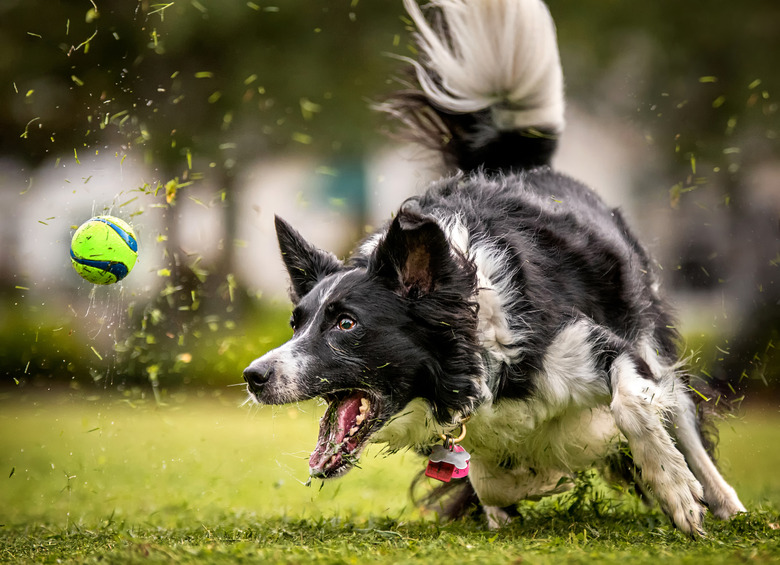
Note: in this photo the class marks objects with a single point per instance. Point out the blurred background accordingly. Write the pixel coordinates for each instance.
(198, 120)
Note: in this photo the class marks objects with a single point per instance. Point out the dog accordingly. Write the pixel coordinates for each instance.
(507, 299)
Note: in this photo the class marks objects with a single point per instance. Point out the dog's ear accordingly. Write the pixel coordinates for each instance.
(305, 263)
(414, 256)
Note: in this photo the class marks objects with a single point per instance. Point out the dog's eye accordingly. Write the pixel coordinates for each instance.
(346, 323)
(292, 323)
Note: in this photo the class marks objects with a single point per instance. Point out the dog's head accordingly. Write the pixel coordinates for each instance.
(394, 324)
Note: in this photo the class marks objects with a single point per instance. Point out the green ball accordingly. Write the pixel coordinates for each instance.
(103, 250)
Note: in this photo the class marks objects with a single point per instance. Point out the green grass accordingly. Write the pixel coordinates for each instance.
(202, 480)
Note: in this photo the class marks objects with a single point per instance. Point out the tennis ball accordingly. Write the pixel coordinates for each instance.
(103, 250)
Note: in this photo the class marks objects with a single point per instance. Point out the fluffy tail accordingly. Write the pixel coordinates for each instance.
(489, 89)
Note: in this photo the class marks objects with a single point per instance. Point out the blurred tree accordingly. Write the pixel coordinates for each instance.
(176, 77)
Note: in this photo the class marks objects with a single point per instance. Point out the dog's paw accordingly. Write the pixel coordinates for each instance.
(725, 504)
(497, 517)
(688, 519)
(684, 504)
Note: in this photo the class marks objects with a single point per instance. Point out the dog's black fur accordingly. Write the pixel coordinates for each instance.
(508, 293)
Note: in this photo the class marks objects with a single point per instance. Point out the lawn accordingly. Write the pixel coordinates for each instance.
(201, 479)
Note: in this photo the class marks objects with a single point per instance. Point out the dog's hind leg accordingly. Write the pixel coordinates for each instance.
(720, 497)
(641, 408)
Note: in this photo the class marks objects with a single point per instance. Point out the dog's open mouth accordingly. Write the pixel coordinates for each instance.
(344, 431)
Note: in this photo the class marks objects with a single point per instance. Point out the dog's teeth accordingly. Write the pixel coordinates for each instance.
(353, 430)
(360, 418)
(364, 405)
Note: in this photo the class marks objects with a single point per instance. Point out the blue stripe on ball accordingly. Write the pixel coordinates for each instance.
(126, 237)
(119, 270)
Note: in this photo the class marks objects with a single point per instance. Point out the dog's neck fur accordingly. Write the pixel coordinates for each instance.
(494, 296)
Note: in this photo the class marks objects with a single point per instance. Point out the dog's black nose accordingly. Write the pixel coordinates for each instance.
(256, 376)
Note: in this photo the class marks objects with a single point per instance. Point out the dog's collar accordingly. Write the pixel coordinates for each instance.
(450, 439)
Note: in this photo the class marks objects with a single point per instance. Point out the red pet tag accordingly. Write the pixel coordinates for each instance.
(447, 463)
(449, 460)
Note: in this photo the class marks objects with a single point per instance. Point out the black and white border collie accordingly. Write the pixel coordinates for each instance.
(507, 293)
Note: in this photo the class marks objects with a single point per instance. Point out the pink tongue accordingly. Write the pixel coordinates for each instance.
(332, 435)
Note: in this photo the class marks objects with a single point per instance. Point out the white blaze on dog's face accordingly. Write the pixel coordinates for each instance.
(370, 337)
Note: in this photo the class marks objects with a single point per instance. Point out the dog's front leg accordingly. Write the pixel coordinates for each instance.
(640, 408)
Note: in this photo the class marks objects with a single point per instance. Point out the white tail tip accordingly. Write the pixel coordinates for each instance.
(497, 54)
